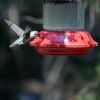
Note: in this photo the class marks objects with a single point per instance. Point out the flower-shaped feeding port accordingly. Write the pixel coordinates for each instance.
(63, 34)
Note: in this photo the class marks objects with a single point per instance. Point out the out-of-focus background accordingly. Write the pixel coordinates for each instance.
(27, 75)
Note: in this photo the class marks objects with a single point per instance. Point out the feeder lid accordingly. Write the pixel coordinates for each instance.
(64, 42)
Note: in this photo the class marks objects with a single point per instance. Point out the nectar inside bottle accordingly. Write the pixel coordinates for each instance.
(63, 15)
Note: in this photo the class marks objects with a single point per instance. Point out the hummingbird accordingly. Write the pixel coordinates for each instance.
(24, 35)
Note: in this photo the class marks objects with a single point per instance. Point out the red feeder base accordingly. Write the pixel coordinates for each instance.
(64, 43)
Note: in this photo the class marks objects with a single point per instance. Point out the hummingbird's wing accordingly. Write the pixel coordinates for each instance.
(19, 41)
(21, 33)
(18, 30)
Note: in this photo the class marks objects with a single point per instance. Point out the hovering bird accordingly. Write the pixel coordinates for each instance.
(24, 35)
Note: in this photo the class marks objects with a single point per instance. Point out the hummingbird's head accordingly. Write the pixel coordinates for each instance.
(33, 34)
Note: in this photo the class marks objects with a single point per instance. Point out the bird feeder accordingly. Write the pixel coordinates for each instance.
(63, 29)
